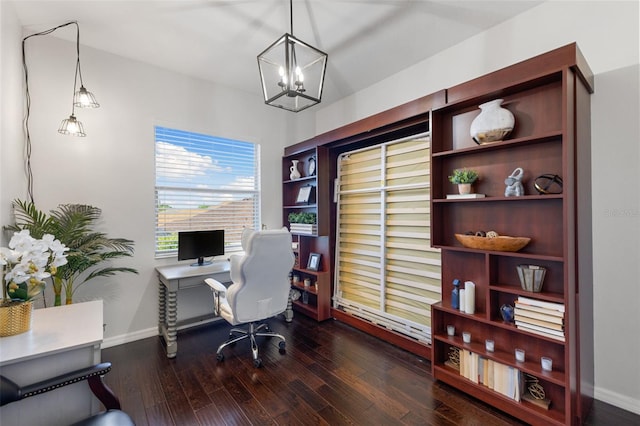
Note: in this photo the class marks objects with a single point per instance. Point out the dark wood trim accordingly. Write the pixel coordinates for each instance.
(491, 84)
(392, 119)
(389, 336)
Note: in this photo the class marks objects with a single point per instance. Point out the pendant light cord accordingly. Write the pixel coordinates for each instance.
(291, 14)
(27, 133)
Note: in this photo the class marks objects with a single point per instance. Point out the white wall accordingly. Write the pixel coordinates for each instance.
(12, 176)
(607, 34)
(113, 167)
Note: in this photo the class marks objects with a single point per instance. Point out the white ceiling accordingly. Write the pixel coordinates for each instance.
(216, 40)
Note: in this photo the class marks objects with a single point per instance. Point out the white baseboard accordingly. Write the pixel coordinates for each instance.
(153, 331)
(616, 399)
(129, 337)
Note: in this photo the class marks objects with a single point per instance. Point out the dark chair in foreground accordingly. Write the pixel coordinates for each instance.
(113, 416)
(260, 288)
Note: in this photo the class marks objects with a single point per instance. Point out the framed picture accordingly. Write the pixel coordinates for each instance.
(304, 194)
(314, 261)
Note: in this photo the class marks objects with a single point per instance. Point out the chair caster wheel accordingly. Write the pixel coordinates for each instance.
(220, 357)
(282, 346)
(257, 363)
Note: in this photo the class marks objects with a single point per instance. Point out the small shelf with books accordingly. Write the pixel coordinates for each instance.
(506, 339)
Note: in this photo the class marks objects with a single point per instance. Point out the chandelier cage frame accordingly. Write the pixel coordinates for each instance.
(292, 72)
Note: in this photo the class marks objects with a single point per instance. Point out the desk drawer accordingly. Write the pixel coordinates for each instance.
(199, 280)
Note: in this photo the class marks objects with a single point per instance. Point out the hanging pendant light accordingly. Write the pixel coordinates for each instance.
(81, 99)
(71, 126)
(85, 99)
(292, 72)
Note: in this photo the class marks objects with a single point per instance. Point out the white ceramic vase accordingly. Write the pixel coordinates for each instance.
(493, 124)
(295, 173)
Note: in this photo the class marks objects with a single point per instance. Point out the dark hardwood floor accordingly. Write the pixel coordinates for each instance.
(331, 374)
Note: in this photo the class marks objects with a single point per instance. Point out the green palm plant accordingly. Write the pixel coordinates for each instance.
(73, 224)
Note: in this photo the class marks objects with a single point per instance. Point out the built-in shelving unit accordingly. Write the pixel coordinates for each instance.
(318, 304)
(549, 97)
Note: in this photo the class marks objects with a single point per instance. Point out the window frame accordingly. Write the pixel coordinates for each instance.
(193, 180)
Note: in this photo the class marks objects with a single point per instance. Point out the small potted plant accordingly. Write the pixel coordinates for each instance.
(464, 178)
(303, 223)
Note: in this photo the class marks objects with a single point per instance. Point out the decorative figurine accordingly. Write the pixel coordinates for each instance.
(455, 294)
(507, 312)
(293, 296)
(514, 184)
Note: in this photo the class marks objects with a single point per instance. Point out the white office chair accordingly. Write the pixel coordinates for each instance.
(260, 288)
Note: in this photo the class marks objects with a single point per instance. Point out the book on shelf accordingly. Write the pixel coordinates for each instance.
(541, 304)
(508, 381)
(541, 323)
(521, 311)
(545, 311)
(490, 374)
(463, 196)
(541, 331)
(498, 377)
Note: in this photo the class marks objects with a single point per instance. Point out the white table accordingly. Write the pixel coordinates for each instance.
(173, 278)
(61, 339)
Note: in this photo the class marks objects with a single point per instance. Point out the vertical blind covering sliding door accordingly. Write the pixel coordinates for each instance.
(386, 270)
(204, 182)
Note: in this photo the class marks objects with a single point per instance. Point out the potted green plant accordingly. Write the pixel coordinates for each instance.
(89, 250)
(464, 178)
(303, 223)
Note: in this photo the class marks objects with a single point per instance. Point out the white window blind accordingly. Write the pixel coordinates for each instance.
(386, 270)
(204, 182)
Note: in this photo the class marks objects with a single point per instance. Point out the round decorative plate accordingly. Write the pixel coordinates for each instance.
(311, 167)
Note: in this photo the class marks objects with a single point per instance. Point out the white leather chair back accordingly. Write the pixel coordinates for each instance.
(261, 286)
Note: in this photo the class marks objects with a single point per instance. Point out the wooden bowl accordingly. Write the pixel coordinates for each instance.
(501, 243)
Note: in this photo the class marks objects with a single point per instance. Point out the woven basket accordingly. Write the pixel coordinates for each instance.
(495, 244)
(15, 317)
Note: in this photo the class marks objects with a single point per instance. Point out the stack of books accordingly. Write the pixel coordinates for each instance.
(498, 377)
(540, 317)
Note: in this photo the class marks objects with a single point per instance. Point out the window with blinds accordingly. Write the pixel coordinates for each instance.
(204, 182)
(386, 270)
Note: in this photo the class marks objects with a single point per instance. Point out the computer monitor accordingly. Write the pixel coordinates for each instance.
(200, 244)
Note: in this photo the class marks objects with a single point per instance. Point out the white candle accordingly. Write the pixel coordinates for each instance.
(489, 345)
(470, 297)
(462, 301)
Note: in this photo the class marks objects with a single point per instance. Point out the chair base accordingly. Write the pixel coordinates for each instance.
(254, 330)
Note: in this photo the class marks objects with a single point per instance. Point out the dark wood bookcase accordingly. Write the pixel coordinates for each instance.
(319, 300)
(549, 97)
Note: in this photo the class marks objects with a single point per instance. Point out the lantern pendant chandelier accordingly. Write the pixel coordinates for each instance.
(292, 72)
